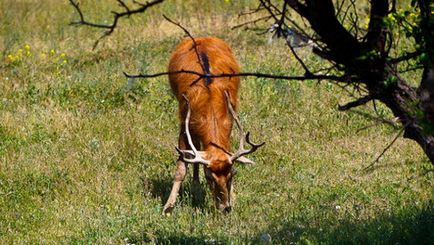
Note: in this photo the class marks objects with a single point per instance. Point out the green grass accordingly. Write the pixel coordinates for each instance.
(86, 159)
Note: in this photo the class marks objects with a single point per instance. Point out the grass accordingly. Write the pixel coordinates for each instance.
(86, 158)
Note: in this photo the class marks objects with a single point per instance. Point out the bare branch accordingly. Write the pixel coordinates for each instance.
(376, 30)
(116, 16)
(123, 5)
(282, 17)
(252, 11)
(378, 119)
(405, 57)
(199, 58)
(264, 18)
(243, 74)
(300, 61)
(385, 149)
(358, 102)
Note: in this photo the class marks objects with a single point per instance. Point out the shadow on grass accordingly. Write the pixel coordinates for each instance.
(161, 186)
(176, 237)
(408, 226)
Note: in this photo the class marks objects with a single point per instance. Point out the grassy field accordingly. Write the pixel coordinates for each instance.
(86, 158)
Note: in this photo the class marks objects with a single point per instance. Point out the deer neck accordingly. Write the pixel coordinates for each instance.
(218, 131)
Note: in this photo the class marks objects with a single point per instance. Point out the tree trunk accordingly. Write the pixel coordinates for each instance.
(403, 103)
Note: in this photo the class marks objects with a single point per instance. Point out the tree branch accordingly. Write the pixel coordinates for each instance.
(192, 39)
(241, 74)
(341, 45)
(358, 102)
(385, 149)
(264, 18)
(116, 16)
(375, 38)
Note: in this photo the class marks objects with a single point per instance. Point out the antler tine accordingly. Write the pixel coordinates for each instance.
(183, 153)
(235, 117)
(243, 137)
(253, 145)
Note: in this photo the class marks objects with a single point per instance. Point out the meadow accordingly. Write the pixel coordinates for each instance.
(88, 158)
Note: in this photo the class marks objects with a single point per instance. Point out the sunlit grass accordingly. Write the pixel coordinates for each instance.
(87, 158)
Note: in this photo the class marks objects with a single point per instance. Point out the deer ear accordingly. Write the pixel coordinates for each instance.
(244, 160)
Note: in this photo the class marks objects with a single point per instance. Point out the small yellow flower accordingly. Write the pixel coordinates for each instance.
(52, 51)
(64, 61)
(11, 58)
(27, 47)
(62, 55)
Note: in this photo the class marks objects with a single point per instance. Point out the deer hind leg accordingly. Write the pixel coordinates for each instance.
(196, 143)
(196, 189)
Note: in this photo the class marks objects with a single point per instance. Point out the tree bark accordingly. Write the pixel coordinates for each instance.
(403, 103)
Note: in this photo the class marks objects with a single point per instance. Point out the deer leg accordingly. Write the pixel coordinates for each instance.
(198, 193)
(181, 171)
(196, 166)
(196, 173)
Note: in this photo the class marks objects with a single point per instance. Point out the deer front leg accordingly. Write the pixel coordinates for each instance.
(181, 170)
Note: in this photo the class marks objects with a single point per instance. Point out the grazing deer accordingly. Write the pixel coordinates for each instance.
(207, 110)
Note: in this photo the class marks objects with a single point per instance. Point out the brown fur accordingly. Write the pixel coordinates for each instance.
(211, 121)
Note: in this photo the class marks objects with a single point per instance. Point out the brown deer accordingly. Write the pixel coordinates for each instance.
(207, 110)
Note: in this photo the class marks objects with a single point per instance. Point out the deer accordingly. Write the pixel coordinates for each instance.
(207, 109)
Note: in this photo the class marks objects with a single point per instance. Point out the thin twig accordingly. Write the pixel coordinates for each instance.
(121, 3)
(358, 102)
(264, 18)
(194, 43)
(385, 149)
(116, 16)
(405, 57)
(281, 30)
(391, 122)
(426, 172)
(300, 61)
(252, 11)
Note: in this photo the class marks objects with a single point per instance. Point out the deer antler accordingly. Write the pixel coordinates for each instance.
(243, 137)
(197, 156)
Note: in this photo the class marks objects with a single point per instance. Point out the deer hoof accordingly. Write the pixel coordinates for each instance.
(167, 210)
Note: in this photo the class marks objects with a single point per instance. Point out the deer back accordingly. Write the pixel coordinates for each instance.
(210, 119)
